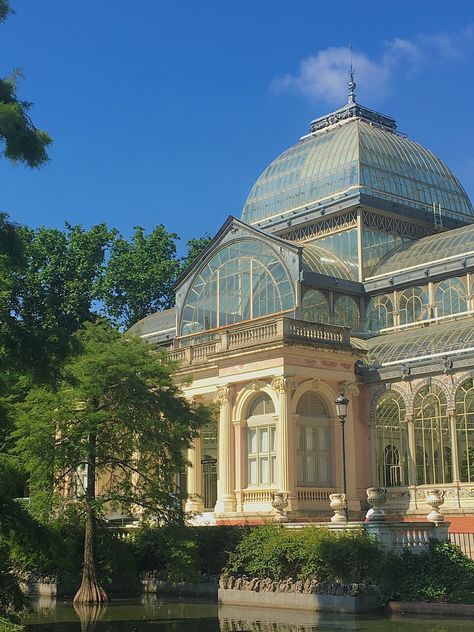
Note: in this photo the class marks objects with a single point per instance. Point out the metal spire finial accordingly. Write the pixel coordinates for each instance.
(352, 83)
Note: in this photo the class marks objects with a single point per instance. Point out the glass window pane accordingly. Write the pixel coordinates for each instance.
(252, 441)
(253, 472)
(264, 471)
(263, 447)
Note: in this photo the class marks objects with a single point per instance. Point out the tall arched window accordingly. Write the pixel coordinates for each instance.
(241, 281)
(313, 442)
(432, 437)
(379, 313)
(465, 430)
(413, 305)
(315, 307)
(261, 442)
(451, 297)
(346, 312)
(391, 441)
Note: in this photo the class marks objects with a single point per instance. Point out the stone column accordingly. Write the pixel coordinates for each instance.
(225, 460)
(194, 501)
(285, 440)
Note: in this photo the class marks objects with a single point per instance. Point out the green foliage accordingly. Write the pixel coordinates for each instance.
(311, 552)
(140, 275)
(195, 247)
(443, 573)
(184, 553)
(122, 393)
(55, 290)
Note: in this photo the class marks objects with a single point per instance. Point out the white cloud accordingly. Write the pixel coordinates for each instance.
(324, 76)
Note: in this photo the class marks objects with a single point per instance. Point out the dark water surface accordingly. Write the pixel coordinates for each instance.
(152, 614)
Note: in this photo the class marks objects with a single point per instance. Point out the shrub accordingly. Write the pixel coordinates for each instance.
(443, 573)
(311, 552)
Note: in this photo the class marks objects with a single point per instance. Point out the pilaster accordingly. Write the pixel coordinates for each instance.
(286, 453)
(226, 502)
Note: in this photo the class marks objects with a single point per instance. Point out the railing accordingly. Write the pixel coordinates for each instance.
(465, 542)
(276, 329)
(313, 495)
(414, 536)
(257, 496)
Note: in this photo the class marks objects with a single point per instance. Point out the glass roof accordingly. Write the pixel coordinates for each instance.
(355, 157)
(316, 259)
(456, 242)
(159, 322)
(435, 339)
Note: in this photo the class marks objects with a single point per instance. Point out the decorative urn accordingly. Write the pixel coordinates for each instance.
(435, 498)
(279, 504)
(376, 497)
(337, 502)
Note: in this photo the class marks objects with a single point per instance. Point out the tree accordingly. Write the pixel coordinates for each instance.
(55, 291)
(140, 275)
(23, 142)
(195, 247)
(121, 421)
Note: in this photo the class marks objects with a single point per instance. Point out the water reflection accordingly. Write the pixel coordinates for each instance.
(153, 614)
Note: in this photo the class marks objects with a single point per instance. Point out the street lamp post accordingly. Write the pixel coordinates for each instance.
(341, 411)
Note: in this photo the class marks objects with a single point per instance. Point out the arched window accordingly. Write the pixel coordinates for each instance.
(391, 441)
(413, 305)
(261, 443)
(313, 442)
(315, 307)
(432, 437)
(465, 430)
(379, 313)
(241, 281)
(451, 297)
(346, 312)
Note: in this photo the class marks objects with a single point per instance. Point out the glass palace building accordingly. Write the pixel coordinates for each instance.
(351, 270)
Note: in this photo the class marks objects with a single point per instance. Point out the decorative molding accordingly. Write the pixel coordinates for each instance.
(283, 384)
(222, 395)
(349, 389)
(350, 111)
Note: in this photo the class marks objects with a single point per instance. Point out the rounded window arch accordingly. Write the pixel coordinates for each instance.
(242, 280)
(315, 307)
(465, 430)
(261, 442)
(451, 297)
(391, 440)
(346, 312)
(413, 304)
(379, 313)
(314, 439)
(432, 436)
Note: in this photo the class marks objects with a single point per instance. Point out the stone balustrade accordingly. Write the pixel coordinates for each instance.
(197, 349)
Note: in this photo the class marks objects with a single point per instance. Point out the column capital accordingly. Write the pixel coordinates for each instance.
(409, 418)
(282, 384)
(223, 395)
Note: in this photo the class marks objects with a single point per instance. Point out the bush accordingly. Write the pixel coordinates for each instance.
(311, 552)
(443, 573)
(182, 553)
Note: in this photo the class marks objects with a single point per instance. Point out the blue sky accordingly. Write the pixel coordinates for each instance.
(167, 111)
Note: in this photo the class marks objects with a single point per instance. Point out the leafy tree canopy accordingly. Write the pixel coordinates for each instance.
(22, 141)
(117, 419)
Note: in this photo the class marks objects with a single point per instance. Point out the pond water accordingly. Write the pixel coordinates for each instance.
(152, 614)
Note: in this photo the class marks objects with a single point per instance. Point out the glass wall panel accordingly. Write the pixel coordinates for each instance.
(451, 297)
(313, 442)
(376, 244)
(315, 307)
(344, 245)
(242, 281)
(432, 437)
(379, 313)
(413, 305)
(465, 430)
(391, 441)
(346, 312)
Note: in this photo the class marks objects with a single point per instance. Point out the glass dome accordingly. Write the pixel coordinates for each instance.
(355, 157)
(243, 280)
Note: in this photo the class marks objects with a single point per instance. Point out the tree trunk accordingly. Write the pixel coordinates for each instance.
(90, 590)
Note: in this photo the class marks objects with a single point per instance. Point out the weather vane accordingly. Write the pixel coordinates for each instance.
(352, 83)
